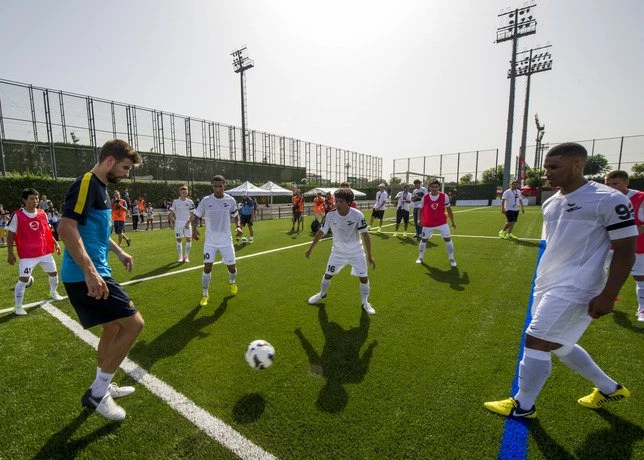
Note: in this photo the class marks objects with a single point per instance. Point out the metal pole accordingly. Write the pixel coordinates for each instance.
(621, 147)
(524, 134)
(508, 135)
(243, 116)
(4, 167)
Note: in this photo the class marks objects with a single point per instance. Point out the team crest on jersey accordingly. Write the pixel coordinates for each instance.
(434, 206)
(34, 225)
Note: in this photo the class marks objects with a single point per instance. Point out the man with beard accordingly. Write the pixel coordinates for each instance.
(96, 297)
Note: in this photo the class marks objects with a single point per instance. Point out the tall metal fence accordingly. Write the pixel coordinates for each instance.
(621, 152)
(63, 130)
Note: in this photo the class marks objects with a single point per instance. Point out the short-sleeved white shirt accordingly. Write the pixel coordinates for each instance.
(381, 201)
(217, 213)
(512, 199)
(182, 209)
(346, 230)
(420, 191)
(13, 223)
(577, 228)
(402, 198)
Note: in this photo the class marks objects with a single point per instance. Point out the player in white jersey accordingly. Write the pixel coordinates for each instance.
(379, 207)
(349, 229)
(579, 224)
(511, 202)
(217, 209)
(180, 219)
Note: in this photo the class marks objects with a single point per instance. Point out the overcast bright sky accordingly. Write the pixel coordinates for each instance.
(393, 79)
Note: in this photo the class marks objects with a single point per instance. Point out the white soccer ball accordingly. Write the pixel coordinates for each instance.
(244, 240)
(30, 282)
(260, 354)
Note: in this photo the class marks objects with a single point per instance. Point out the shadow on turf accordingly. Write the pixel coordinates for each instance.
(615, 442)
(249, 408)
(340, 362)
(174, 339)
(623, 319)
(451, 276)
(158, 271)
(532, 244)
(60, 445)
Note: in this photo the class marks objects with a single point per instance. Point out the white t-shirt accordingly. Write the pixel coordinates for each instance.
(381, 201)
(217, 213)
(512, 198)
(419, 192)
(577, 228)
(13, 223)
(346, 230)
(182, 209)
(404, 200)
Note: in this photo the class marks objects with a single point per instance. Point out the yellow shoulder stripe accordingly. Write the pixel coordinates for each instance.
(82, 193)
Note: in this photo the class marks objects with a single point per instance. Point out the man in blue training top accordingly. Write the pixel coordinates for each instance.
(248, 209)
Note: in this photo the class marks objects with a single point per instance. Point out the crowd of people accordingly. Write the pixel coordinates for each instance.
(582, 221)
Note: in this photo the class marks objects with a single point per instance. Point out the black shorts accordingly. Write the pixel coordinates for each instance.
(297, 216)
(402, 215)
(246, 219)
(119, 226)
(512, 216)
(91, 311)
(378, 214)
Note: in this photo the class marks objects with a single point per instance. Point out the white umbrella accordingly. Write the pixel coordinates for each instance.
(324, 190)
(247, 189)
(276, 190)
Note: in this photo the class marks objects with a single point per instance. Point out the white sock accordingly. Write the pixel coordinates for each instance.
(580, 361)
(421, 249)
(324, 286)
(205, 283)
(251, 238)
(450, 251)
(179, 251)
(53, 284)
(98, 371)
(534, 370)
(639, 291)
(232, 277)
(187, 251)
(19, 293)
(365, 289)
(102, 381)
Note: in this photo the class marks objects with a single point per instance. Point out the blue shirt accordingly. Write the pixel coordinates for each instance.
(88, 203)
(248, 205)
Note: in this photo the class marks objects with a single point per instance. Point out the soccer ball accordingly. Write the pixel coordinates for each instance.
(260, 354)
(244, 240)
(30, 282)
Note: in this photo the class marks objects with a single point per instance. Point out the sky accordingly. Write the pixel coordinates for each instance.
(392, 79)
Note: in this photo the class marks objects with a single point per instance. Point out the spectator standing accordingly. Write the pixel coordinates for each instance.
(149, 224)
(298, 210)
(416, 203)
(135, 215)
(53, 217)
(119, 211)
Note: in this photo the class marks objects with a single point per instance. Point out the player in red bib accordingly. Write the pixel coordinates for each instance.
(619, 181)
(29, 230)
(432, 212)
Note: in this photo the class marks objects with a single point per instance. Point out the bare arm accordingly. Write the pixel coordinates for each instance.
(318, 237)
(123, 256)
(171, 218)
(11, 257)
(620, 268)
(451, 216)
(366, 240)
(503, 206)
(68, 233)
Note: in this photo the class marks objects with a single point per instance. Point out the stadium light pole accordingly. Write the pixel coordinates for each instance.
(541, 130)
(535, 60)
(242, 63)
(514, 24)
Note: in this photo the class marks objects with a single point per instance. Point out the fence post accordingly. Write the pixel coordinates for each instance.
(621, 147)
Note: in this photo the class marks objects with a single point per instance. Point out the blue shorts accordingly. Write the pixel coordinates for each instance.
(119, 226)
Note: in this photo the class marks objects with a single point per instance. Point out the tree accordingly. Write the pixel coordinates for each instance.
(395, 180)
(493, 175)
(596, 165)
(535, 178)
(466, 179)
(638, 170)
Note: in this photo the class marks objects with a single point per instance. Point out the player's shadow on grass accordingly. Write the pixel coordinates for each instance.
(157, 271)
(249, 408)
(622, 319)
(547, 445)
(532, 244)
(60, 445)
(614, 442)
(340, 362)
(451, 276)
(174, 339)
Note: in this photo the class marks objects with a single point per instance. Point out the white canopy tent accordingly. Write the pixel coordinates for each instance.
(247, 189)
(324, 190)
(276, 190)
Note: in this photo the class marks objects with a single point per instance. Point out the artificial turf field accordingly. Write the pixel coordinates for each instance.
(408, 382)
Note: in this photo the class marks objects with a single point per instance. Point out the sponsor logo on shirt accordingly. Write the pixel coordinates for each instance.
(572, 207)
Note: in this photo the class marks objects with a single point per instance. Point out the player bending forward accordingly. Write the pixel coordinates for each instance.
(347, 225)
(180, 218)
(217, 209)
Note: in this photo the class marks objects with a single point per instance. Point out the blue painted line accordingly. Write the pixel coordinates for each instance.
(514, 443)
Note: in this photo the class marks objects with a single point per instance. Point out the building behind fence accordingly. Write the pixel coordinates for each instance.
(59, 133)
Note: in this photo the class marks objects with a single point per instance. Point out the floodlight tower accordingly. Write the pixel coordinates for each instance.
(242, 63)
(541, 130)
(514, 24)
(535, 60)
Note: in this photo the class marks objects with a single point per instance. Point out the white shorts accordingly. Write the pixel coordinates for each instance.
(26, 266)
(442, 229)
(558, 320)
(180, 230)
(227, 254)
(638, 266)
(337, 262)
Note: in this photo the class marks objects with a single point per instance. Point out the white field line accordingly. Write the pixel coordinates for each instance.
(209, 424)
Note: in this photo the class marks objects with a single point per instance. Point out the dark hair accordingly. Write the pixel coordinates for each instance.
(568, 149)
(344, 185)
(119, 150)
(345, 194)
(218, 178)
(183, 187)
(617, 175)
(435, 181)
(29, 191)
(417, 181)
